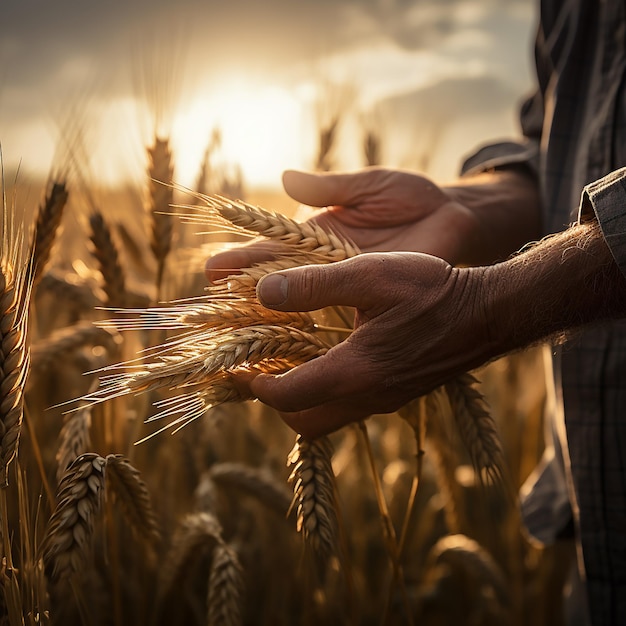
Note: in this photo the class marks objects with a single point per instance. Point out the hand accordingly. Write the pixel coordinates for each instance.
(378, 210)
(417, 325)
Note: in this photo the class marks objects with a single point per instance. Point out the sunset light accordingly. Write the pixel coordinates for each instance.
(262, 130)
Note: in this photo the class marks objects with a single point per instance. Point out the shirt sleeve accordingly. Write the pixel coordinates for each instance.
(605, 200)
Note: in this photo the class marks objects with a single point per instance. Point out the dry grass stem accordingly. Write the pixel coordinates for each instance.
(69, 532)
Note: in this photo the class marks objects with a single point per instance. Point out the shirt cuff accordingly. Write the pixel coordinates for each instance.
(500, 155)
(605, 199)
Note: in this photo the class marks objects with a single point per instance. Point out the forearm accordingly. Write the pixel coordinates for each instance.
(507, 209)
(564, 282)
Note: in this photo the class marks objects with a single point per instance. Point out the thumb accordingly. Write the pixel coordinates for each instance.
(323, 189)
(314, 287)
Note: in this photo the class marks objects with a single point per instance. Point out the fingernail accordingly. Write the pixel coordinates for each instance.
(272, 290)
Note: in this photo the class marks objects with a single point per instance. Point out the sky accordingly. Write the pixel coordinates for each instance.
(431, 77)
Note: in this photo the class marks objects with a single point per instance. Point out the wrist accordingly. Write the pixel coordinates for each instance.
(563, 283)
(505, 206)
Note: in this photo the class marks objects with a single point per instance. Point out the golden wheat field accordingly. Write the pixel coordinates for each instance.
(139, 488)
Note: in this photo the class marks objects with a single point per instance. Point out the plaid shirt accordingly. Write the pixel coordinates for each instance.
(575, 139)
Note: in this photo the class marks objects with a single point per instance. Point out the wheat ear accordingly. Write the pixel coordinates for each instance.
(225, 588)
(477, 428)
(14, 363)
(196, 536)
(257, 482)
(131, 492)
(46, 228)
(47, 352)
(300, 237)
(313, 487)
(106, 253)
(462, 554)
(77, 296)
(160, 172)
(69, 533)
(74, 438)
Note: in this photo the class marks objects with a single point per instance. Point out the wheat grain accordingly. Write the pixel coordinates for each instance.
(68, 537)
(225, 588)
(313, 486)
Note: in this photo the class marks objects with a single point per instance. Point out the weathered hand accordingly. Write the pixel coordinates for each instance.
(417, 325)
(377, 209)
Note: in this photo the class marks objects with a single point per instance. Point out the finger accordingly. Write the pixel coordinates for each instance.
(337, 375)
(324, 189)
(312, 287)
(323, 420)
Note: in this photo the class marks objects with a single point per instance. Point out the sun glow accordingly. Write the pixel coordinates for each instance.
(262, 132)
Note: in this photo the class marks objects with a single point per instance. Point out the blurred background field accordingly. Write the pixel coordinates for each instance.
(221, 98)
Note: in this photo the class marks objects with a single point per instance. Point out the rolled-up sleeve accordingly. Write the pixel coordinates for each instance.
(606, 200)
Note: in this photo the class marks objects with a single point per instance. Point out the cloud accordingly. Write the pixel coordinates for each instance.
(54, 55)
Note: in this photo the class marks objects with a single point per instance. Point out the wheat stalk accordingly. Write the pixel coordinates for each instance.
(69, 532)
(225, 588)
(440, 420)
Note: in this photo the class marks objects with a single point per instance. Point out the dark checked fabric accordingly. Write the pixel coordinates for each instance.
(575, 141)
